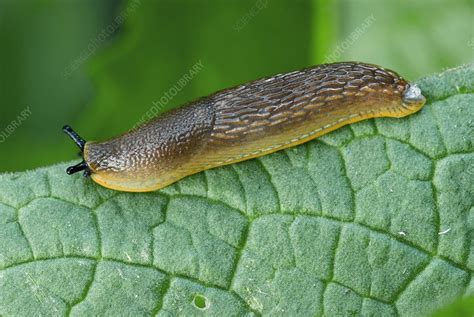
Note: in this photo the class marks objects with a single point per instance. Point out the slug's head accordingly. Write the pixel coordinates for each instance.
(80, 142)
(412, 98)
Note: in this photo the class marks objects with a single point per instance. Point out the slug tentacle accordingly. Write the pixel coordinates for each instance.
(250, 120)
(77, 168)
(80, 142)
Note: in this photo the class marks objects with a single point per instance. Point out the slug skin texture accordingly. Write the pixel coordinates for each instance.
(247, 121)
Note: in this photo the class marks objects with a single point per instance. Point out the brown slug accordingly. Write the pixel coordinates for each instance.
(246, 121)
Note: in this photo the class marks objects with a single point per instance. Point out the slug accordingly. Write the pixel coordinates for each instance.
(246, 121)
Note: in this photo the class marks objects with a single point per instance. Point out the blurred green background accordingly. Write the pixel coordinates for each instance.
(100, 65)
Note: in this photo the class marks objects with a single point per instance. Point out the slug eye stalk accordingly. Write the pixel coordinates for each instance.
(80, 142)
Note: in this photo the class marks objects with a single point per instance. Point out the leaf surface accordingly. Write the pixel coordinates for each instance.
(375, 218)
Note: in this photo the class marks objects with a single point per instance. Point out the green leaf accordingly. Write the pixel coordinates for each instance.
(375, 218)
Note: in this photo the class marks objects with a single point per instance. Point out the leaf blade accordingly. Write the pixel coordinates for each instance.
(372, 218)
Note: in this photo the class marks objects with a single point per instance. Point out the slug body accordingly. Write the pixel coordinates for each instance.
(247, 121)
